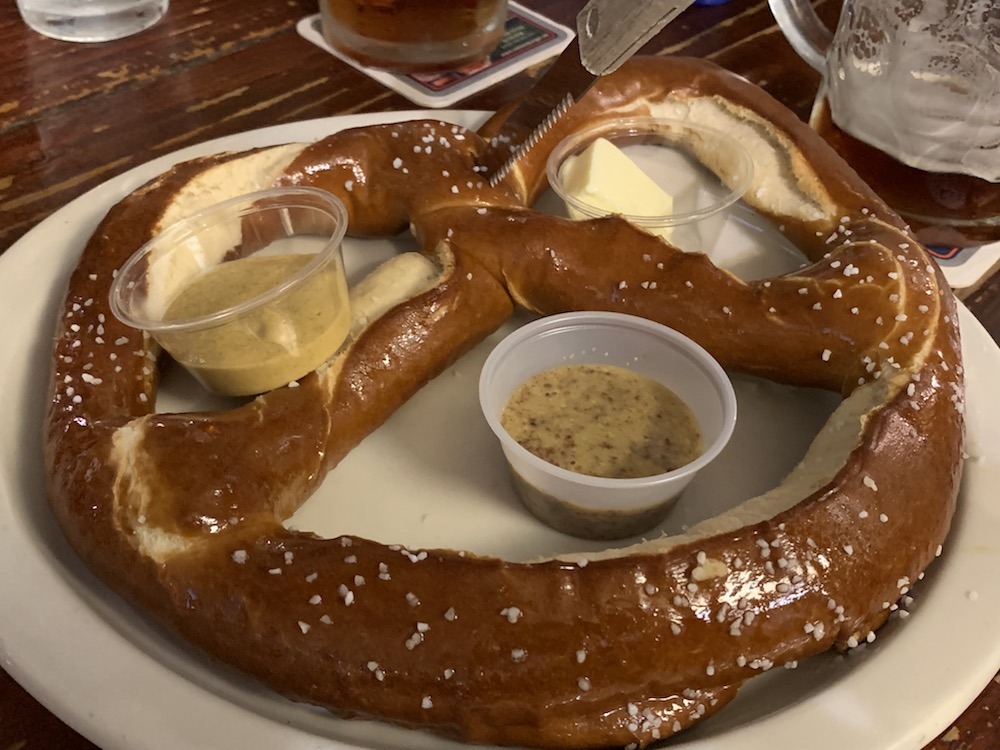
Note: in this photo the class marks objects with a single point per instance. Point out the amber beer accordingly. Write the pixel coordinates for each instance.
(943, 208)
(414, 35)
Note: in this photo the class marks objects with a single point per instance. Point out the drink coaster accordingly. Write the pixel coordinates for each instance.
(529, 38)
(966, 268)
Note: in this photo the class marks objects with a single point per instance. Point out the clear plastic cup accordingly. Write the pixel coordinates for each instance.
(599, 507)
(248, 294)
(704, 170)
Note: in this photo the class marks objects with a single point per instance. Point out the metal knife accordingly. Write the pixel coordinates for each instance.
(608, 32)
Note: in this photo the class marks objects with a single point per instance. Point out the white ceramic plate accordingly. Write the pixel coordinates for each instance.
(125, 683)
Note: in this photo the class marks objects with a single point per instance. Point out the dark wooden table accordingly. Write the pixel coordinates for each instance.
(74, 115)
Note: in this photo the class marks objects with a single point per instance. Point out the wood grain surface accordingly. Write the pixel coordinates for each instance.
(74, 115)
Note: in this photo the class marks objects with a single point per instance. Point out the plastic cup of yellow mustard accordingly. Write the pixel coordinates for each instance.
(249, 294)
(604, 419)
(673, 178)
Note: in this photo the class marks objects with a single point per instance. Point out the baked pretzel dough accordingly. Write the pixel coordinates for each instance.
(182, 513)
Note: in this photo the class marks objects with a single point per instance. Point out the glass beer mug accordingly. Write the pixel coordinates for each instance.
(408, 36)
(911, 99)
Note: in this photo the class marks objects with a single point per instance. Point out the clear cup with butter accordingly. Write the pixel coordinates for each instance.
(671, 177)
(249, 294)
(604, 419)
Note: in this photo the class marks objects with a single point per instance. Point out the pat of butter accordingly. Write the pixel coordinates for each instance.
(603, 177)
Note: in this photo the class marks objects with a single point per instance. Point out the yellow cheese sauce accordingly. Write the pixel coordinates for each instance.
(603, 421)
(270, 345)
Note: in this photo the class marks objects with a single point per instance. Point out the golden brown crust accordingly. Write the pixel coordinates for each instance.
(627, 647)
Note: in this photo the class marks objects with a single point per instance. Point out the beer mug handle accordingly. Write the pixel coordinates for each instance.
(804, 30)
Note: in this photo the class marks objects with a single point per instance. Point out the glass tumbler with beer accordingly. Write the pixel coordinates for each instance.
(911, 100)
(411, 36)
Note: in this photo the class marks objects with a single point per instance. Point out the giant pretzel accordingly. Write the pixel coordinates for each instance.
(181, 513)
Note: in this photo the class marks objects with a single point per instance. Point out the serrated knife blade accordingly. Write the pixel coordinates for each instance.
(608, 32)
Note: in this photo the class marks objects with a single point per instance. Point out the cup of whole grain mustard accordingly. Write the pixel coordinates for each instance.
(604, 419)
(249, 294)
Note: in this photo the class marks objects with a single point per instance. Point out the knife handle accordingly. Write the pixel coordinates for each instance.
(611, 31)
